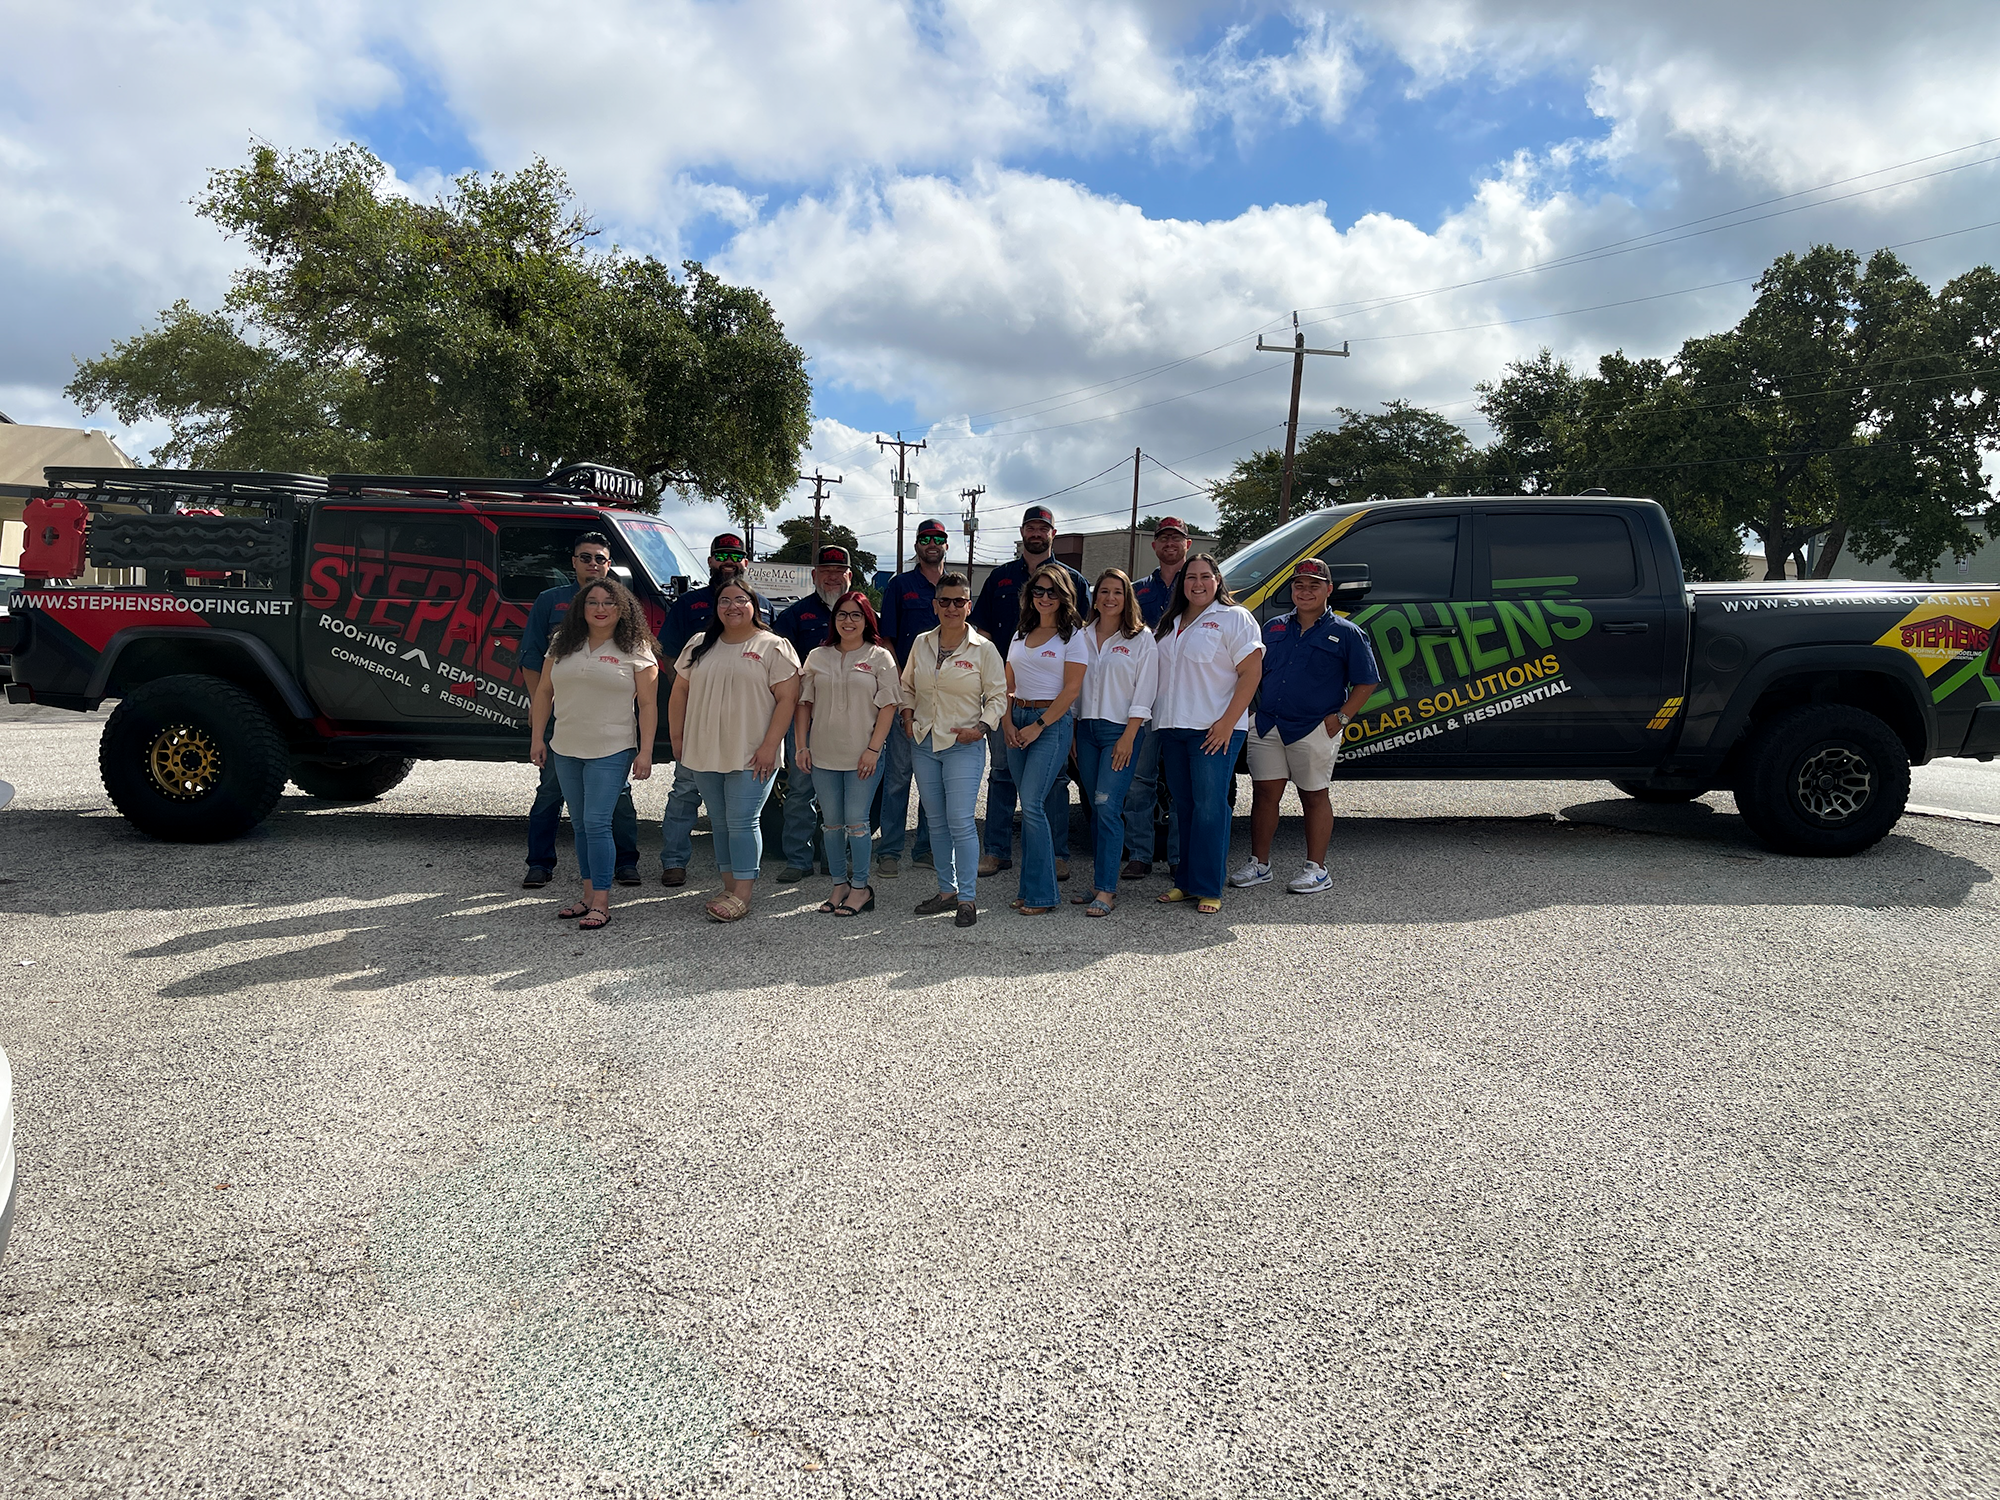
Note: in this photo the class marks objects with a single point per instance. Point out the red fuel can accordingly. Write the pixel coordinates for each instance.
(53, 546)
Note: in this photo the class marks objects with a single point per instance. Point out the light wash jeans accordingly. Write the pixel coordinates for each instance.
(1104, 792)
(1200, 785)
(843, 801)
(891, 809)
(735, 803)
(1034, 770)
(948, 782)
(592, 789)
(546, 814)
(1000, 796)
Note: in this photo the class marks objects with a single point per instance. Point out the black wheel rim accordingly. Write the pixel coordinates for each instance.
(1833, 784)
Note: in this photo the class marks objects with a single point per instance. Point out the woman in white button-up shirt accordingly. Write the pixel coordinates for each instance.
(1118, 686)
(1211, 660)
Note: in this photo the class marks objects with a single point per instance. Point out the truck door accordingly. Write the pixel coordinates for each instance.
(1574, 629)
(1417, 569)
(400, 607)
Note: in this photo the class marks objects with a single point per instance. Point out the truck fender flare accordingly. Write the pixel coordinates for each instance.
(261, 655)
(1801, 661)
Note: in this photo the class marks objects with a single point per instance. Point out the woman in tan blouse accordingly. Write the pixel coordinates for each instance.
(602, 667)
(734, 689)
(846, 709)
(954, 688)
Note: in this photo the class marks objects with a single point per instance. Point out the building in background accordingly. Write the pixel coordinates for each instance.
(1982, 566)
(24, 452)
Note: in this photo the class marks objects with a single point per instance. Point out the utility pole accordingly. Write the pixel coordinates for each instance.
(1132, 537)
(971, 496)
(1298, 351)
(820, 482)
(906, 488)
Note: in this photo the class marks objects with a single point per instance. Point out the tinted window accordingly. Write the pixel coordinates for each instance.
(534, 558)
(1413, 557)
(1561, 556)
(1243, 570)
(400, 558)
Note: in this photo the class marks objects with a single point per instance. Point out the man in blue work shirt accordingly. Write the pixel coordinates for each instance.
(998, 615)
(906, 613)
(1170, 547)
(1318, 671)
(806, 625)
(727, 559)
(590, 556)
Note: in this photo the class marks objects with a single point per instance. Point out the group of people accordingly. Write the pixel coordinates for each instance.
(1121, 682)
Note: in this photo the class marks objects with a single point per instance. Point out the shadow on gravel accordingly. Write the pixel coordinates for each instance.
(424, 896)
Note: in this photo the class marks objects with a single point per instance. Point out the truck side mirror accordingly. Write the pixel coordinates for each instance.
(1350, 584)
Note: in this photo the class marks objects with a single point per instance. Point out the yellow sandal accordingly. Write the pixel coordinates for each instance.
(1176, 894)
(1209, 905)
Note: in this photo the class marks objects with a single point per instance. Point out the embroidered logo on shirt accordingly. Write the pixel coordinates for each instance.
(753, 656)
(1276, 627)
(862, 666)
(1121, 650)
(612, 659)
(1048, 656)
(1211, 625)
(966, 666)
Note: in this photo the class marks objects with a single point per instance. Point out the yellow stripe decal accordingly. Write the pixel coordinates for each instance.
(1270, 585)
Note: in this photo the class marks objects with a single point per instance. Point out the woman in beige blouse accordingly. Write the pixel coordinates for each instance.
(734, 689)
(602, 665)
(954, 689)
(846, 709)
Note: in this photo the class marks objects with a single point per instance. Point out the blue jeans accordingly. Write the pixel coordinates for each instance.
(547, 813)
(735, 803)
(1140, 800)
(843, 799)
(1200, 785)
(1104, 791)
(677, 823)
(592, 789)
(891, 807)
(1033, 771)
(1000, 804)
(801, 810)
(948, 784)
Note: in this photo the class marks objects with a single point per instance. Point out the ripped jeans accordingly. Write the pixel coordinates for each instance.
(1104, 792)
(843, 806)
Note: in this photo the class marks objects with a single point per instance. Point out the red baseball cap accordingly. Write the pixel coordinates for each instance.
(1169, 523)
(1312, 567)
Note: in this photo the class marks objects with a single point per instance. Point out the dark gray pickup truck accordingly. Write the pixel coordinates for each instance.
(1559, 639)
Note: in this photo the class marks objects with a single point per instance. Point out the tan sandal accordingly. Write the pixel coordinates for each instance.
(1208, 906)
(727, 909)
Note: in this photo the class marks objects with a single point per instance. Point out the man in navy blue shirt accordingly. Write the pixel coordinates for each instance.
(590, 556)
(1170, 547)
(1318, 671)
(805, 625)
(727, 559)
(906, 613)
(998, 615)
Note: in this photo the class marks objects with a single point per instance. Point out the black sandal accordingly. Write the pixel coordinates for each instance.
(574, 910)
(832, 903)
(855, 911)
(603, 920)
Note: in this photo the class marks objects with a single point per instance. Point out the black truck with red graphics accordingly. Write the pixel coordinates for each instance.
(327, 631)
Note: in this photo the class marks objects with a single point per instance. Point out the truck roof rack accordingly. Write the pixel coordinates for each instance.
(162, 490)
(585, 481)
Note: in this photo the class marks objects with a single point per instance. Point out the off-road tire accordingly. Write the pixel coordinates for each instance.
(356, 781)
(1824, 780)
(1660, 794)
(192, 760)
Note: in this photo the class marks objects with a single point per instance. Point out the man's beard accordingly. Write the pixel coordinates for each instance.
(721, 573)
(829, 596)
(1032, 548)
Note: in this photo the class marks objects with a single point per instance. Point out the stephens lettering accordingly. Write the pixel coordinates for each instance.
(1945, 633)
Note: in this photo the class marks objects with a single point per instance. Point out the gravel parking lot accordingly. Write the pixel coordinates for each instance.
(1575, 1148)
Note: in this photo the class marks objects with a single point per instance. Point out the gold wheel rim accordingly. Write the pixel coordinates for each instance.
(185, 762)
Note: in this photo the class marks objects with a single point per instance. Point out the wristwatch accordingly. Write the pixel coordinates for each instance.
(1345, 719)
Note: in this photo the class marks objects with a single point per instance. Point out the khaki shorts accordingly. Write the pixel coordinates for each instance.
(1306, 763)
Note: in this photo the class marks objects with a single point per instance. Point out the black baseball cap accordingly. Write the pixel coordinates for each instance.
(833, 557)
(932, 527)
(729, 541)
(1039, 513)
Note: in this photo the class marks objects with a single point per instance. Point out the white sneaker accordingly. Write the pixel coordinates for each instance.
(1312, 879)
(1254, 872)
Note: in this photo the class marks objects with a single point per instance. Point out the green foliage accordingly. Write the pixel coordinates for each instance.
(1849, 405)
(798, 535)
(1402, 450)
(476, 334)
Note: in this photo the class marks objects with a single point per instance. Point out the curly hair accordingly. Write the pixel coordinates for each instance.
(1068, 621)
(630, 634)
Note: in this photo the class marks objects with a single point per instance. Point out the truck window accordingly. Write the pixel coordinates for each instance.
(534, 558)
(395, 558)
(1557, 555)
(1410, 558)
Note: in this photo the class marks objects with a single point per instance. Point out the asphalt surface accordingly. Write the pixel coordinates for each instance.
(1575, 1148)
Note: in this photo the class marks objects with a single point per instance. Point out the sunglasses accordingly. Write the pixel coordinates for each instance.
(593, 559)
(1043, 593)
(728, 556)
(951, 603)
